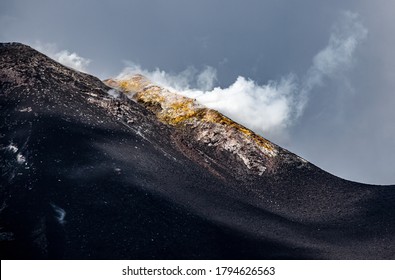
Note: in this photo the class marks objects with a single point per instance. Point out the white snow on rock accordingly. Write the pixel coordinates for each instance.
(20, 158)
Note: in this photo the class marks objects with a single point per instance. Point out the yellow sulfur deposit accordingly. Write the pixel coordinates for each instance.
(175, 109)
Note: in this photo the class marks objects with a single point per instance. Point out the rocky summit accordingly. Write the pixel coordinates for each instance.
(126, 169)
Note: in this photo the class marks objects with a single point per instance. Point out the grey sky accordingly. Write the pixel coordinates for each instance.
(347, 125)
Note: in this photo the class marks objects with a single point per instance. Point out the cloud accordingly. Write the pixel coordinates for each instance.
(266, 109)
(271, 108)
(337, 56)
(72, 60)
(65, 57)
(207, 78)
(187, 79)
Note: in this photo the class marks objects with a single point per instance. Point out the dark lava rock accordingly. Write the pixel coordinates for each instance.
(87, 175)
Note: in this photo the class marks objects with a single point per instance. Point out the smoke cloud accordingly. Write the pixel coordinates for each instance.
(65, 57)
(271, 108)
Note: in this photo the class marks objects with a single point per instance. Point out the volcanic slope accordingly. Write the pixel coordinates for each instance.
(128, 170)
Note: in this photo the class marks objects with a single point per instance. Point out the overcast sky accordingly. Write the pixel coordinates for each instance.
(316, 77)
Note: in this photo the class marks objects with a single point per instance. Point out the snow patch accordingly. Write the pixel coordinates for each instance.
(20, 158)
(60, 213)
(11, 147)
(27, 110)
(118, 170)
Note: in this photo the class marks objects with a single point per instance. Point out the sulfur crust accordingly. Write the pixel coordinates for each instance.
(176, 110)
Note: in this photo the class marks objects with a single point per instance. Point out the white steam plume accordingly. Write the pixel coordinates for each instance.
(337, 56)
(190, 78)
(70, 59)
(267, 109)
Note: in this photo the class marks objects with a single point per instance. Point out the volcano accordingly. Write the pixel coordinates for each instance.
(126, 169)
